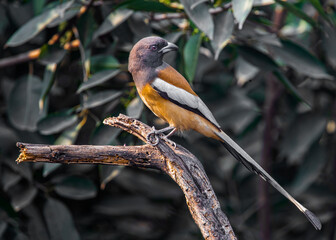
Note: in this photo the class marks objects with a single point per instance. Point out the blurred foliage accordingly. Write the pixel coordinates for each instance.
(64, 69)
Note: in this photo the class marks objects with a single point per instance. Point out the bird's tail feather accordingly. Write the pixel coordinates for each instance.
(253, 166)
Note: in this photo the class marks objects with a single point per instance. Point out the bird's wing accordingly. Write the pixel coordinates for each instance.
(173, 77)
(184, 99)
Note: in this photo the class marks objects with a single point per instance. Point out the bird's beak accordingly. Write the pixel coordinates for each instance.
(168, 48)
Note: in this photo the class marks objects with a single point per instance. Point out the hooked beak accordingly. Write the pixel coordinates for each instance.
(168, 48)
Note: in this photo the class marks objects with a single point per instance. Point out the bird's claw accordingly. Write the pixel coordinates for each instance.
(170, 142)
(150, 137)
(153, 138)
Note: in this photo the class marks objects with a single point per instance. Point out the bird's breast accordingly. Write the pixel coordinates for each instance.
(164, 109)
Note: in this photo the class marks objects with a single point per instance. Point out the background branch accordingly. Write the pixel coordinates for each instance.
(183, 167)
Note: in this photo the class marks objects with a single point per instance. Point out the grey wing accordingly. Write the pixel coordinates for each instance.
(184, 99)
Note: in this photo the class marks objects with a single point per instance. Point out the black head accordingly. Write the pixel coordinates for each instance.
(148, 52)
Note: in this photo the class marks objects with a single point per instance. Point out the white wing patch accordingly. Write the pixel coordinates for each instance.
(184, 98)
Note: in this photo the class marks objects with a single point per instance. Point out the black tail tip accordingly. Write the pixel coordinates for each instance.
(313, 219)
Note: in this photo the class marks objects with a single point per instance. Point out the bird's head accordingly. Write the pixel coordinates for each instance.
(148, 52)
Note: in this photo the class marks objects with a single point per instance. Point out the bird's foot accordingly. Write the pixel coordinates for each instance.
(153, 138)
(172, 143)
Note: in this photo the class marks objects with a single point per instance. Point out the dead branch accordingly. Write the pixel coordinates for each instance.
(183, 167)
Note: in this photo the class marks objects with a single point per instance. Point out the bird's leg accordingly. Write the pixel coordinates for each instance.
(155, 132)
(171, 133)
(168, 135)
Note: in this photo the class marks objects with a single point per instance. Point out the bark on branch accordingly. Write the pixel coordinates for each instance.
(183, 167)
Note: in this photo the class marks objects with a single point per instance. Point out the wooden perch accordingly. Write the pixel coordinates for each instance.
(183, 167)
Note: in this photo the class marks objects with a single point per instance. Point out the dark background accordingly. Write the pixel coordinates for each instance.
(271, 86)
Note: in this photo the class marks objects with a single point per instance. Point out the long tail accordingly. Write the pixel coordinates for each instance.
(253, 166)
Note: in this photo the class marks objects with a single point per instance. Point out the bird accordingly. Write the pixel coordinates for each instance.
(170, 97)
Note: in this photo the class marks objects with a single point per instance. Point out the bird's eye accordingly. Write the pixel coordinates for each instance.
(153, 47)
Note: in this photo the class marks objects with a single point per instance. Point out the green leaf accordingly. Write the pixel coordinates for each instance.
(328, 43)
(236, 111)
(38, 6)
(108, 173)
(241, 9)
(97, 79)
(258, 3)
(105, 135)
(49, 168)
(296, 11)
(190, 55)
(35, 223)
(48, 80)
(266, 63)
(8, 138)
(100, 98)
(134, 108)
(132, 205)
(147, 185)
(3, 227)
(70, 13)
(173, 37)
(9, 178)
(290, 87)
(23, 109)
(59, 221)
(69, 136)
(22, 195)
(317, 5)
(36, 25)
(56, 122)
(51, 54)
(103, 62)
(23, 170)
(244, 71)
(148, 6)
(310, 169)
(257, 58)
(305, 130)
(300, 59)
(112, 21)
(78, 188)
(139, 26)
(200, 15)
(224, 24)
(86, 28)
(4, 20)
